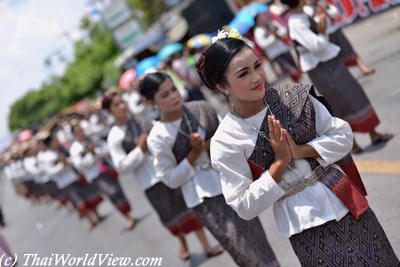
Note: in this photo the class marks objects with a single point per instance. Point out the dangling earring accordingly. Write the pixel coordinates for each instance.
(156, 110)
(231, 98)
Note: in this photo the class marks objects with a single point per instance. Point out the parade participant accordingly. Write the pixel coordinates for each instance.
(128, 149)
(318, 57)
(17, 174)
(180, 145)
(49, 185)
(84, 197)
(268, 35)
(281, 147)
(31, 166)
(336, 36)
(91, 160)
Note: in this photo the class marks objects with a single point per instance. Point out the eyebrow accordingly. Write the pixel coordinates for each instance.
(245, 68)
(241, 69)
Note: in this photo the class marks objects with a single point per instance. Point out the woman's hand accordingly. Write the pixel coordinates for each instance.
(90, 148)
(322, 25)
(300, 151)
(197, 147)
(278, 141)
(142, 143)
(281, 148)
(196, 142)
(62, 158)
(295, 149)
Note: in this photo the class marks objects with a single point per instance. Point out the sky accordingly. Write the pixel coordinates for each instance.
(31, 31)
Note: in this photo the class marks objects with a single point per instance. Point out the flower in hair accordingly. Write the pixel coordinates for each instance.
(233, 33)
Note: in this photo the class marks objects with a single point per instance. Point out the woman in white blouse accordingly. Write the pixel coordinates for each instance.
(129, 153)
(179, 142)
(319, 58)
(347, 55)
(84, 197)
(281, 147)
(268, 34)
(90, 159)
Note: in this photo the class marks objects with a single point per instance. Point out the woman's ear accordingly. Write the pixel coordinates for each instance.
(220, 88)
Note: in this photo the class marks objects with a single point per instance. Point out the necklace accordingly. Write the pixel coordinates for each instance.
(262, 134)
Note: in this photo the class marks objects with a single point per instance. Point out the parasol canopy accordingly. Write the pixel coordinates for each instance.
(147, 63)
(244, 19)
(169, 49)
(127, 78)
(199, 41)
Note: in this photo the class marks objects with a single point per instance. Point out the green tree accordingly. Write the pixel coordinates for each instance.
(90, 71)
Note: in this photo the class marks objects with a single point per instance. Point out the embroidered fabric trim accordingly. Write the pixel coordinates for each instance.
(309, 179)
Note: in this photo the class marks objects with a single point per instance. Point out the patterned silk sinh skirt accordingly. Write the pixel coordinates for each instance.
(83, 196)
(348, 242)
(346, 55)
(345, 95)
(51, 188)
(113, 190)
(172, 210)
(244, 240)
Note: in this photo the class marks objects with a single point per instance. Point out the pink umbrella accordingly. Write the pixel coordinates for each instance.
(80, 105)
(127, 78)
(25, 135)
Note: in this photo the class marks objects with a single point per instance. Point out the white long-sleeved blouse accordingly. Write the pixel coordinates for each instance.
(86, 163)
(62, 174)
(233, 144)
(315, 48)
(136, 161)
(272, 45)
(198, 181)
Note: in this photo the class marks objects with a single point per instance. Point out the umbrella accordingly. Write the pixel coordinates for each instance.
(199, 41)
(25, 135)
(147, 63)
(127, 78)
(244, 19)
(169, 49)
(80, 106)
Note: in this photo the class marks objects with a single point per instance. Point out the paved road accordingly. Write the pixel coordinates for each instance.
(43, 229)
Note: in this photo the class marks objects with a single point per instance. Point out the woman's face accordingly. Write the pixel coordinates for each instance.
(168, 98)
(54, 143)
(245, 77)
(118, 107)
(79, 134)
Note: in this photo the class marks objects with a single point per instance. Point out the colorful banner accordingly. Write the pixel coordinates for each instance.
(354, 9)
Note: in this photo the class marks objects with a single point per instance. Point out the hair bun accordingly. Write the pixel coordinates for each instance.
(201, 70)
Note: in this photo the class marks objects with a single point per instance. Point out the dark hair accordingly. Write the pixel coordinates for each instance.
(290, 3)
(259, 15)
(48, 139)
(74, 126)
(107, 100)
(214, 60)
(150, 84)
